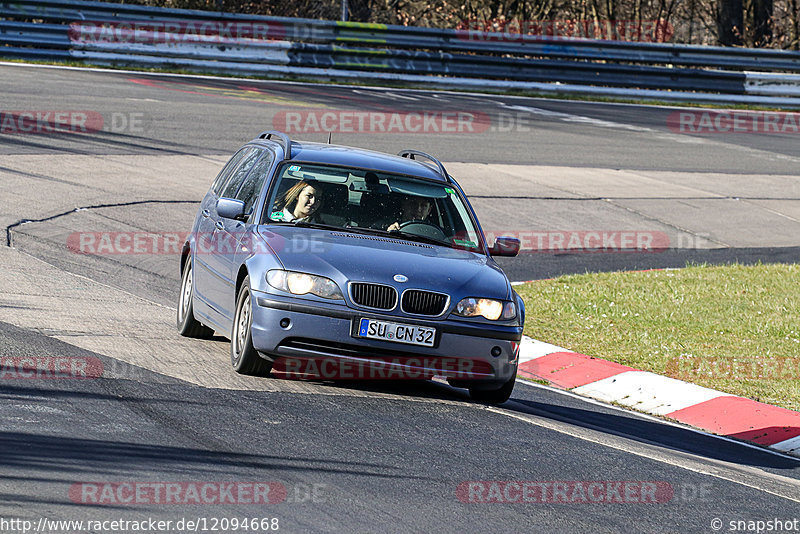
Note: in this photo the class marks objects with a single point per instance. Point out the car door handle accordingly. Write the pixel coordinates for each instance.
(206, 213)
(220, 225)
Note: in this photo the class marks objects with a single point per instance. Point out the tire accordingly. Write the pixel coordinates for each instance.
(244, 358)
(493, 396)
(188, 326)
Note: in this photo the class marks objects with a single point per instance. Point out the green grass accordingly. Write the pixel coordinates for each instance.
(733, 328)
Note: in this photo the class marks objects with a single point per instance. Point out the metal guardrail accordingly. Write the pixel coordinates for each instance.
(71, 30)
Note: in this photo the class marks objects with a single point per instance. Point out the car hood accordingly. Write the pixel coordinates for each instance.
(346, 256)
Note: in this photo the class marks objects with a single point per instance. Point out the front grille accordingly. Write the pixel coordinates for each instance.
(424, 302)
(375, 296)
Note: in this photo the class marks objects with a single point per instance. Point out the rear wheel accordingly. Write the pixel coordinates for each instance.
(188, 326)
(244, 357)
(493, 396)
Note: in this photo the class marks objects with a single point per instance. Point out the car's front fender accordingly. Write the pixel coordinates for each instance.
(257, 260)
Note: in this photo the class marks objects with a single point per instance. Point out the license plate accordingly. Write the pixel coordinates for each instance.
(397, 332)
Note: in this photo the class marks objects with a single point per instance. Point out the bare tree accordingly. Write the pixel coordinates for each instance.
(730, 22)
(794, 25)
(762, 23)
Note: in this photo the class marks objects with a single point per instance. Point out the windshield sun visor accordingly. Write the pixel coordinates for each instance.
(416, 188)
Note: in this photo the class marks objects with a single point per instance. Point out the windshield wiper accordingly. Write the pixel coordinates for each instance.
(321, 226)
(422, 238)
(398, 234)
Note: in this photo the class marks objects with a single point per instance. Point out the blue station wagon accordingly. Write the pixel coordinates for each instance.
(330, 262)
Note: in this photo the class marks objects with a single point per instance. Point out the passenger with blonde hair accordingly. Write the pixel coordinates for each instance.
(301, 202)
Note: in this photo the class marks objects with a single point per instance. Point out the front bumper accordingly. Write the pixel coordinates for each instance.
(318, 342)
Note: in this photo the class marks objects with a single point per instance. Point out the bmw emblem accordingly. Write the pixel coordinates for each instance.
(400, 278)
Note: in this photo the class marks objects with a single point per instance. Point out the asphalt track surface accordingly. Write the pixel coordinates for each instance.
(353, 457)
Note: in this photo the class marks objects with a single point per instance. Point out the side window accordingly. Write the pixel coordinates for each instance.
(226, 170)
(255, 181)
(239, 173)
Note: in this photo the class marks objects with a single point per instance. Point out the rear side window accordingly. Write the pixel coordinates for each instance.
(252, 186)
(226, 170)
(240, 171)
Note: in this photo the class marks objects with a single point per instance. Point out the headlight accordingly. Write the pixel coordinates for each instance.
(489, 308)
(302, 283)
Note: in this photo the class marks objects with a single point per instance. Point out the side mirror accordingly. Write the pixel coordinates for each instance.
(230, 208)
(505, 246)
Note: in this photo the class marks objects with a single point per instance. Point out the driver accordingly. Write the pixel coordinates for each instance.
(413, 208)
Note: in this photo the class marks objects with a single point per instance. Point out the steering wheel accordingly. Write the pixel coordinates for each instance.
(423, 228)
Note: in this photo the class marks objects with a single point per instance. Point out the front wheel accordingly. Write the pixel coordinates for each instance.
(244, 357)
(493, 396)
(188, 326)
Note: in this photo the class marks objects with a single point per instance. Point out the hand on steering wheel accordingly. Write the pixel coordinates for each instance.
(420, 227)
(415, 221)
(400, 225)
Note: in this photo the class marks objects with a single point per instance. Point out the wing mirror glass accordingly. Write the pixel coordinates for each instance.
(231, 209)
(505, 246)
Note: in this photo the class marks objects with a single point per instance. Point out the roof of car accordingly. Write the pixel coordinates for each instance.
(362, 158)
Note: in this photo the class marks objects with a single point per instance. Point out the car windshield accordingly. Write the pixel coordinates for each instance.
(359, 200)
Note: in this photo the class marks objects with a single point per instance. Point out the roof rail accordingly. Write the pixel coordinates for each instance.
(411, 154)
(282, 139)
